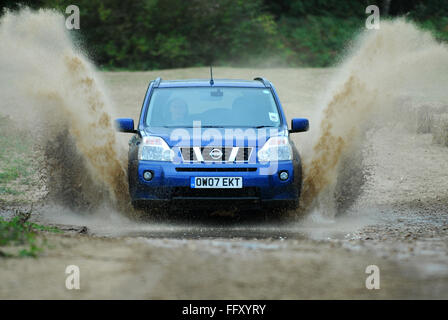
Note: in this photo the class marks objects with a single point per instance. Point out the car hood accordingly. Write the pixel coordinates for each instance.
(236, 137)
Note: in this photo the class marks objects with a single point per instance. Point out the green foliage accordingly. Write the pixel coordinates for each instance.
(19, 232)
(299, 9)
(319, 40)
(427, 9)
(8, 190)
(151, 34)
(154, 34)
(438, 27)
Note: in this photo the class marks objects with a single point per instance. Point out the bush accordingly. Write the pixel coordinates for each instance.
(318, 41)
(155, 34)
(152, 34)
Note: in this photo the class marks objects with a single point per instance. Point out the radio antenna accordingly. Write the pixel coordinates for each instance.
(211, 76)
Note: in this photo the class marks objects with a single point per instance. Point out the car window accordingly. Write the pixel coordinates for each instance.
(212, 106)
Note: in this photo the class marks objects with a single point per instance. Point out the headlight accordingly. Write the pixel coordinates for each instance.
(156, 149)
(275, 149)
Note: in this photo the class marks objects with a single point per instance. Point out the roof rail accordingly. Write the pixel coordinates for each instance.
(266, 83)
(157, 82)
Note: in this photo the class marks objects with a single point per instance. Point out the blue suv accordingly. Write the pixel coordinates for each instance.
(214, 143)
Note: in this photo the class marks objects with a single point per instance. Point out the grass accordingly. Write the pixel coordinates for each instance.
(11, 191)
(18, 237)
(19, 232)
(10, 173)
(16, 161)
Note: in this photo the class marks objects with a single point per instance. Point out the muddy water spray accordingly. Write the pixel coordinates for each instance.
(50, 87)
(385, 65)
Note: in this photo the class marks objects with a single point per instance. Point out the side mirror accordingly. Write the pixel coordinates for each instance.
(299, 125)
(125, 125)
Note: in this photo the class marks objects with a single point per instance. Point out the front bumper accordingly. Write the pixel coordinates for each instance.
(171, 182)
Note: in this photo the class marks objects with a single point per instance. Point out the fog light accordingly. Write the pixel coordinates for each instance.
(284, 175)
(147, 175)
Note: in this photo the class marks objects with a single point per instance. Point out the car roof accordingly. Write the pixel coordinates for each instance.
(217, 83)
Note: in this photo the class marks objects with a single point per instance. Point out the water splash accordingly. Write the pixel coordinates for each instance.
(53, 90)
(385, 65)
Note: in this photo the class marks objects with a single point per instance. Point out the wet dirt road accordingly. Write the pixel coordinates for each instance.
(398, 223)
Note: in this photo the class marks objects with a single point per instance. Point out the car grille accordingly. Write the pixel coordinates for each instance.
(216, 154)
(216, 169)
(186, 192)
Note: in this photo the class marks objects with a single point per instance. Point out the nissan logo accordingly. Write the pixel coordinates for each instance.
(215, 154)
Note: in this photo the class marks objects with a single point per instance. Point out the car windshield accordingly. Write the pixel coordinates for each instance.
(213, 107)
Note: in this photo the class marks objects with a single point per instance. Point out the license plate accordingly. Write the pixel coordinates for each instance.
(217, 182)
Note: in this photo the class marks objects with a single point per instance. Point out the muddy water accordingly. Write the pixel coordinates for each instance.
(50, 88)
